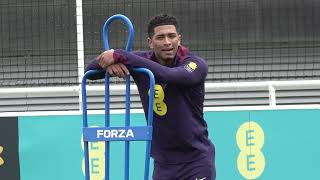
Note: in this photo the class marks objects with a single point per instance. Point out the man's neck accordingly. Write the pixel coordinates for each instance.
(167, 63)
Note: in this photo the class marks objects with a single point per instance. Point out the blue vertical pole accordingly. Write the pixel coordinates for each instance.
(107, 124)
(127, 123)
(85, 124)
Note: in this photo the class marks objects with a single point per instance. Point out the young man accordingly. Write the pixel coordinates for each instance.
(180, 146)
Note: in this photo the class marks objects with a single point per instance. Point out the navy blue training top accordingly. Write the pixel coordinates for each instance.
(179, 131)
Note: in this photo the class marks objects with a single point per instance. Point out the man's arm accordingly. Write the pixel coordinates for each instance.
(117, 69)
(94, 65)
(191, 72)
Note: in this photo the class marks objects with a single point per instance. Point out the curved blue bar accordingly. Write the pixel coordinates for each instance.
(150, 117)
(85, 117)
(107, 25)
(127, 116)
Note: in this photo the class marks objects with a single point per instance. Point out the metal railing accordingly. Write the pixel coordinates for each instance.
(10, 95)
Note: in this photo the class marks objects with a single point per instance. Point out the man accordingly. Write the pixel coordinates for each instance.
(180, 145)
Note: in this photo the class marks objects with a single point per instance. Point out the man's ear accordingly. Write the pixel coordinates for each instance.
(179, 38)
(150, 43)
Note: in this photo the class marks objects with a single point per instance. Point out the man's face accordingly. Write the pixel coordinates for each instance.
(165, 42)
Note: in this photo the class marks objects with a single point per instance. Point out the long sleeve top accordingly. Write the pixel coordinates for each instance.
(179, 130)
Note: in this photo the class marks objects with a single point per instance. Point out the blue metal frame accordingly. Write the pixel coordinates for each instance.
(126, 133)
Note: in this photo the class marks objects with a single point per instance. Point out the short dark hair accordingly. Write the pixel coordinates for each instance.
(162, 19)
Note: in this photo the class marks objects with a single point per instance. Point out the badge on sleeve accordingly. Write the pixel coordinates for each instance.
(191, 66)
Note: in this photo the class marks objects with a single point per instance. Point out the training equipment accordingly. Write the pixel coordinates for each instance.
(127, 133)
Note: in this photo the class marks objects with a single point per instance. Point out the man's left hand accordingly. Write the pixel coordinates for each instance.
(118, 70)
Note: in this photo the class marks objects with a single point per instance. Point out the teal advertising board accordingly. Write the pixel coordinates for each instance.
(266, 144)
(290, 146)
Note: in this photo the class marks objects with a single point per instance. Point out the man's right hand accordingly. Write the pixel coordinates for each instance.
(118, 70)
(106, 58)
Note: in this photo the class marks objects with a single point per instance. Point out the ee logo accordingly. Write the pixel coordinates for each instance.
(1, 160)
(159, 106)
(250, 140)
(96, 159)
